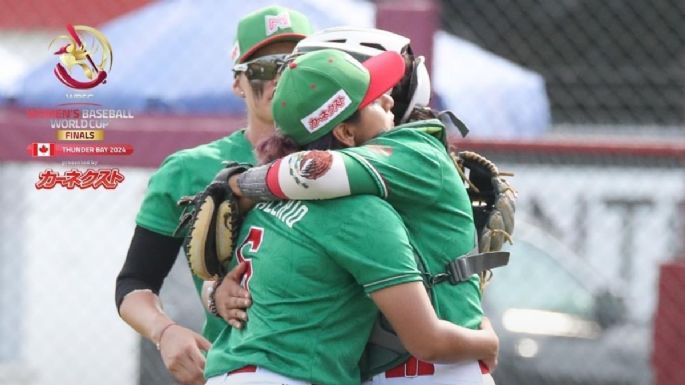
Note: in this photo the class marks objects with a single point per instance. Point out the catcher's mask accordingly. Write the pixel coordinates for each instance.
(362, 43)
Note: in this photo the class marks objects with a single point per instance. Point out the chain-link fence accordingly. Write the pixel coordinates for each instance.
(613, 62)
(577, 303)
(595, 88)
(614, 74)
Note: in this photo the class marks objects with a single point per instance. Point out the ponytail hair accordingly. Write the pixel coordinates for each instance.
(278, 145)
(275, 147)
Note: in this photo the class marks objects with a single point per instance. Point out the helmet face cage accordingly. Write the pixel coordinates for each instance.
(362, 43)
(418, 92)
(414, 88)
(401, 93)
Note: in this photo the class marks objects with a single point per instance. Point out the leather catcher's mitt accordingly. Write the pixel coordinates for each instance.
(493, 200)
(214, 221)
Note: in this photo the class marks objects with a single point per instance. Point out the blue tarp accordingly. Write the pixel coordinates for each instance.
(493, 96)
(173, 56)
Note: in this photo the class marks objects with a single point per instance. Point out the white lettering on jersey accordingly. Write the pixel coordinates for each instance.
(288, 212)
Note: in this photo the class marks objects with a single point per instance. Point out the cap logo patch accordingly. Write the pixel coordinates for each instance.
(274, 23)
(327, 112)
(235, 51)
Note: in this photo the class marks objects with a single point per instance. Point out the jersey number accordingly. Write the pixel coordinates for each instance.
(253, 241)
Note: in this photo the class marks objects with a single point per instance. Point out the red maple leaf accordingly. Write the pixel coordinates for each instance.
(43, 148)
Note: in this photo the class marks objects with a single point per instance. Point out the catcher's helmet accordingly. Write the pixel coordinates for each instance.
(362, 43)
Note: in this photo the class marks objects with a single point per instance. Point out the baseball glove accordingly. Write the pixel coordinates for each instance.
(493, 200)
(212, 220)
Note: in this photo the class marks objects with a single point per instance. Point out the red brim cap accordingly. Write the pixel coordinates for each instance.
(386, 70)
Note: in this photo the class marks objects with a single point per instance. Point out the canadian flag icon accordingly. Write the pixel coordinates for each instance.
(41, 149)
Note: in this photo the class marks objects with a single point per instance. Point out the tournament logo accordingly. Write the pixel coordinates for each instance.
(86, 53)
(41, 149)
(76, 149)
(108, 179)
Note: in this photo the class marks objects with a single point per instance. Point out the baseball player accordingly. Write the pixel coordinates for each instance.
(262, 40)
(410, 168)
(311, 265)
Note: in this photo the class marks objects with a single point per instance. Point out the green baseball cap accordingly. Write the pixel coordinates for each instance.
(265, 26)
(320, 89)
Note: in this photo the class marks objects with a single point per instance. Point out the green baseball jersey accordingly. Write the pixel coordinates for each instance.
(425, 188)
(409, 167)
(311, 266)
(182, 174)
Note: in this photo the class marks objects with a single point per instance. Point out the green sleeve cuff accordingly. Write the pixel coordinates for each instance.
(392, 281)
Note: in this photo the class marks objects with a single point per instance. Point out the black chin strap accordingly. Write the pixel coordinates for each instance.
(451, 122)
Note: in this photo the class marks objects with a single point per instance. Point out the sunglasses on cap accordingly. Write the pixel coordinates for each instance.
(262, 68)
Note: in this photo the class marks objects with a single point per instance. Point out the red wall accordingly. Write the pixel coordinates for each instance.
(669, 326)
(51, 14)
(416, 19)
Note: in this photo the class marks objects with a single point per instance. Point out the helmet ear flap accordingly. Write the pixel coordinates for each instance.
(419, 86)
(401, 92)
(413, 91)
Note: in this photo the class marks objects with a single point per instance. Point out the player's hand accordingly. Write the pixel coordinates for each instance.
(233, 184)
(231, 299)
(491, 360)
(244, 204)
(181, 351)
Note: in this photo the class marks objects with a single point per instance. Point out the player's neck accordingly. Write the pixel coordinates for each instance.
(258, 129)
